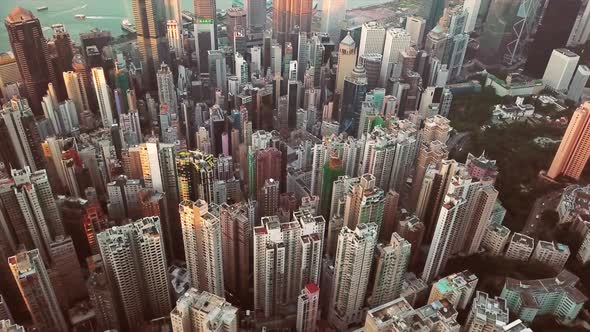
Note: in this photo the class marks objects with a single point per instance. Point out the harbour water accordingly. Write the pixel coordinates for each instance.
(103, 14)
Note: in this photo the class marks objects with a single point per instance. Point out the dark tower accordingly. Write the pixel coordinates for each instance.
(553, 32)
(31, 53)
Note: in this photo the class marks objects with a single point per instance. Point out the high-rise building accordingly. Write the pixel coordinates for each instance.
(520, 247)
(372, 38)
(237, 222)
(76, 91)
(103, 95)
(391, 264)
(287, 256)
(201, 232)
(67, 270)
(287, 15)
(457, 288)
(551, 253)
(434, 14)
(353, 95)
(255, 14)
(442, 243)
(558, 21)
(472, 7)
(307, 308)
(416, 26)
(487, 314)
(101, 294)
(560, 69)
(217, 70)
(268, 200)
(574, 150)
(581, 29)
(333, 15)
(268, 166)
(37, 290)
(578, 83)
(364, 203)
(354, 257)
(32, 55)
(506, 30)
(166, 88)
(21, 128)
(4, 311)
(135, 261)
(346, 61)
(332, 170)
(397, 40)
(198, 311)
(430, 155)
(150, 22)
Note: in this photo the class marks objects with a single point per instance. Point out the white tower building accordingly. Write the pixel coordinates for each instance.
(560, 69)
(103, 95)
(396, 41)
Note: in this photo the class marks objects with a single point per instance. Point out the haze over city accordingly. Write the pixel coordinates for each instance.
(291, 165)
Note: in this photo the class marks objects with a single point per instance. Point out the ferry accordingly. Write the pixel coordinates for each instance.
(80, 16)
(127, 26)
(42, 8)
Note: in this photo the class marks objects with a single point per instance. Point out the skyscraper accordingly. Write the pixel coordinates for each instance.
(333, 15)
(416, 26)
(506, 29)
(136, 263)
(353, 95)
(578, 83)
(307, 308)
(472, 7)
(101, 294)
(574, 150)
(150, 22)
(237, 222)
(287, 256)
(364, 203)
(436, 11)
(76, 91)
(23, 133)
(32, 55)
(289, 14)
(332, 169)
(201, 232)
(559, 17)
(354, 257)
(391, 264)
(396, 41)
(346, 61)
(372, 38)
(560, 69)
(255, 14)
(103, 95)
(166, 88)
(37, 291)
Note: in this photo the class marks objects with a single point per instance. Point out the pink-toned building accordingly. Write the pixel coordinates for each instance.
(574, 150)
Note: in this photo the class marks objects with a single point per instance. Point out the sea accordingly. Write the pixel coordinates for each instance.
(103, 14)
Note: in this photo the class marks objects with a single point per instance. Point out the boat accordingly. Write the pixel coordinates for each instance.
(80, 16)
(42, 8)
(127, 26)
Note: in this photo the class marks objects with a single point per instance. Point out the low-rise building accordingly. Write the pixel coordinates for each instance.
(556, 296)
(495, 239)
(414, 289)
(551, 253)
(398, 315)
(520, 248)
(458, 288)
(487, 314)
